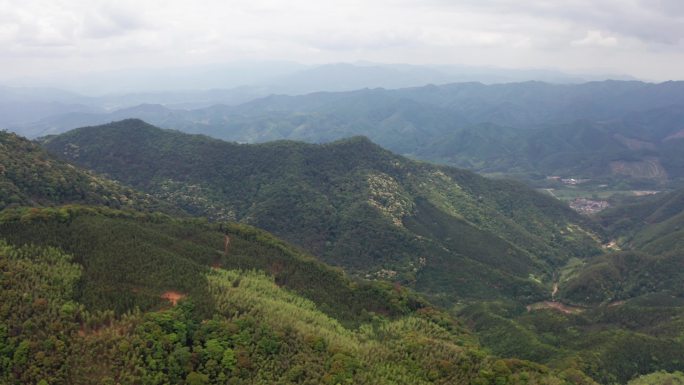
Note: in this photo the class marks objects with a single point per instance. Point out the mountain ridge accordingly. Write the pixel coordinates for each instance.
(596, 130)
(93, 294)
(350, 202)
(29, 176)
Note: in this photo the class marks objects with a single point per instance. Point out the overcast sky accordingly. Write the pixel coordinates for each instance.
(643, 38)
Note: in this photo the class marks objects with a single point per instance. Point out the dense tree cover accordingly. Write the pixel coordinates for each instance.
(37, 313)
(636, 151)
(449, 232)
(612, 343)
(130, 258)
(626, 222)
(623, 275)
(256, 333)
(650, 231)
(659, 378)
(629, 305)
(31, 176)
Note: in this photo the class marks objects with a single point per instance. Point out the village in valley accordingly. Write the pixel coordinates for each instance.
(585, 199)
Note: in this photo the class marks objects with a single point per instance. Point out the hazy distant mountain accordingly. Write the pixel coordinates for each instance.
(232, 84)
(612, 129)
(19, 105)
(223, 76)
(521, 105)
(347, 77)
(643, 147)
(293, 78)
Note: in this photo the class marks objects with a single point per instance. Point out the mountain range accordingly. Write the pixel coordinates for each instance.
(283, 77)
(448, 231)
(96, 294)
(568, 290)
(611, 132)
(141, 252)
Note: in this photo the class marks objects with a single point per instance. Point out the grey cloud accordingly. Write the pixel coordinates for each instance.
(109, 21)
(668, 7)
(354, 41)
(654, 21)
(633, 36)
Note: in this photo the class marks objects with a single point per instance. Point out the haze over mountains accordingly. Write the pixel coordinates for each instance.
(610, 131)
(623, 134)
(231, 84)
(294, 78)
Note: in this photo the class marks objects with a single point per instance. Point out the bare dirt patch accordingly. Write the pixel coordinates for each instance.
(612, 245)
(641, 193)
(173, 297)
(565, 309)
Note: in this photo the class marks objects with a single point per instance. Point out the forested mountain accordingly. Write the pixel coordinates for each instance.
(476, 209)
(448, 232)
(615, 131)
(651, 233)
(104, 296)
(159, 299)
(624, 309)
(640, 148)
(29, 176)
(92, 294)
(632, 222)
(613, 341)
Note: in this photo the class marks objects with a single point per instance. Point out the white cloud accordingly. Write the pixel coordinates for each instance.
(108, 21)
(634, 36)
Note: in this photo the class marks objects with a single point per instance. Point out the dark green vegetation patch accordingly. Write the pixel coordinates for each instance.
(451, 233)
